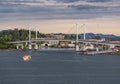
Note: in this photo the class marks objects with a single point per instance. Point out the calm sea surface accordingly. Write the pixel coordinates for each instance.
(58, 67)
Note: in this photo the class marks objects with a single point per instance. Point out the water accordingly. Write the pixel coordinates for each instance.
(58, 67)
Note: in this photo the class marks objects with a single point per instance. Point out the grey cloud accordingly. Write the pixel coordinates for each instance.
(99, 0)
(87, 11)
(87, 7)
(25, 12)
(42, 1)
(70, 1)
(19, 1)
(25, 1)
(67, 1)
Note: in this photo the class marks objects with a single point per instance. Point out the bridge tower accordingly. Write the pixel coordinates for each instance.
(29, 46)
(84, 30)
(77, 45)
(36, 46)
(77, 37)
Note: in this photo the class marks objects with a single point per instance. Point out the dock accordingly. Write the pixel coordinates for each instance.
(107, 52)
(100, 52)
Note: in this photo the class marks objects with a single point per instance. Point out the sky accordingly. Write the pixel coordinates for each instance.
(59, 16)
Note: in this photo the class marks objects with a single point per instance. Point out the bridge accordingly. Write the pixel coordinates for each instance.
(77, 41)
(80, 41)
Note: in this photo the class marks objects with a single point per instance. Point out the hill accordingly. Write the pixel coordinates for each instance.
(16, 35)
(106, 36)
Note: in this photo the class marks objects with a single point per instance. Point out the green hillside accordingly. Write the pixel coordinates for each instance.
(16, 35)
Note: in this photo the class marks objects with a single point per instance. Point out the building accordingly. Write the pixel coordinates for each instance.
(53, 42)
(59, 37)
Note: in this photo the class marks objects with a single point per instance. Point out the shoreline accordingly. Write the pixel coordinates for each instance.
(37, 49)
(61, 49)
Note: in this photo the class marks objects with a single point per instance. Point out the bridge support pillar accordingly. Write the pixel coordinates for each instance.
(97, 49)
(22, 46)
(17, 46)
(36, 46)
(77, 47)
(30, 46)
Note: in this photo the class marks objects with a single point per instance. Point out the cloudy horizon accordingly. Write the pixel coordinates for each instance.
(51, 15)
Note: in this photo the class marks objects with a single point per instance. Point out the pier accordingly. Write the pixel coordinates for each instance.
(100, 52)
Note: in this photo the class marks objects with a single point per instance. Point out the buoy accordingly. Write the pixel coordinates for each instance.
(26, 57)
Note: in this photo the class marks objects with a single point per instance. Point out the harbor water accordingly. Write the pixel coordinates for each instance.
(58, 67)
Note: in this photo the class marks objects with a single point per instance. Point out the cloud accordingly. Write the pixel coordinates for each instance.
(67, 1)
(98, 0)
(57, 9)
(88, 7)
(71, 1)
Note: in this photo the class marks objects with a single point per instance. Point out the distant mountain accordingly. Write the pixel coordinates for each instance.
(106, 36)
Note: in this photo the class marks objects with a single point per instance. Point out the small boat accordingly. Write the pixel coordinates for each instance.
(26, 57)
